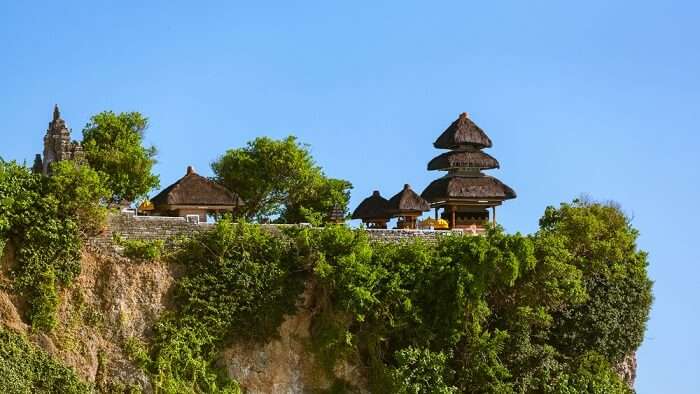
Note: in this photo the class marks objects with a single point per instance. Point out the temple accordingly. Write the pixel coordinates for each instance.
(193, 197)
(57, 145)
(407, 206)
(465, 193)
(373, 211)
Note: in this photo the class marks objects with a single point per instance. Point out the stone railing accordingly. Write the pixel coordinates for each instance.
(130, 227)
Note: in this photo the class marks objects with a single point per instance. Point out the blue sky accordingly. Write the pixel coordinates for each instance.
(595, 97)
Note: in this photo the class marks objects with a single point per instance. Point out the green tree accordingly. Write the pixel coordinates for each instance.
(602, 243)
(81, 193)
(280, 178)
(113, 145)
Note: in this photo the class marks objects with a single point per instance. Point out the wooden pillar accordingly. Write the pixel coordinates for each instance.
(454, 218)
(436, 213)
(494, 214)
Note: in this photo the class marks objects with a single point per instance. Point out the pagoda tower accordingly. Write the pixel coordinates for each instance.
(465, 193)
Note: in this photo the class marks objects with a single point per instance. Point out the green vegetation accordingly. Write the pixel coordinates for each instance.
(500, 313)
(44, 218)
(80, 191)
(45, 237)
(603, 246)
(139, 249)
(113, 145)
(279, 178)
(27, 369)
(239, 282)
(550, 312)
(491, 314)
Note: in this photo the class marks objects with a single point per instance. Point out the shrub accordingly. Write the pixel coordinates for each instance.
(45, 237)
(143, 249)
(239, 282)
(27, 369)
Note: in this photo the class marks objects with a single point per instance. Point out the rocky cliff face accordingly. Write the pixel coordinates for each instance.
(115, 299)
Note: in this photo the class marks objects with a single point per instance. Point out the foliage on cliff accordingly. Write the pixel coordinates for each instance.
(27, 369)
(239, 282)
(40, 217)
(494, 314)
(279, 178)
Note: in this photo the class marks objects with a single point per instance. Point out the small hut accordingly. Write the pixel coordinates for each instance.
(194, 195)
(373, 210)
(407, 206)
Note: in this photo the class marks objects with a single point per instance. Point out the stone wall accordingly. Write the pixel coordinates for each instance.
(130, 227)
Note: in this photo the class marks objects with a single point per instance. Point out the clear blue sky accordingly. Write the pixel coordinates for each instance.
(596, 98)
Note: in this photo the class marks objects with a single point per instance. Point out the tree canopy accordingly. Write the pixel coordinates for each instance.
(279, 178)
(113, 145)
(81, 191)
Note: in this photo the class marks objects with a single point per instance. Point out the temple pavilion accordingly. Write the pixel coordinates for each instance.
(193, 196)
(465, 193)
(407, 206)
(373, 210)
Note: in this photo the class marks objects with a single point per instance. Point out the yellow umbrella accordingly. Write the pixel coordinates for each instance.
(437, 224)
(146, 206)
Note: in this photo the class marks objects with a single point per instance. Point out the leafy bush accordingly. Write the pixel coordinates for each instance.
(138, 249)
(508, 313)
(45, 237)
(81, 192)
(591, 373)
(239, 282)
(420, 371)
(27, 369)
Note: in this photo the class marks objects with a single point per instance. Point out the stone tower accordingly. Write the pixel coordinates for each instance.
(57, 145)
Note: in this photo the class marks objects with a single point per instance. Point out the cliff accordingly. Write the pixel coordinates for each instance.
(116, 301)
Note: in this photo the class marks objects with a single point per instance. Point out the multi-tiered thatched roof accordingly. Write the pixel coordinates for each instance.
(465, 161)
(468, 188)
(460, 159)
(463, 132)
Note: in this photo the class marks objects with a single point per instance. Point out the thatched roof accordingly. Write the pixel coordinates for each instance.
(407, 201)
(372, 207)
(468, 188)
(462, 132)
(194, 189)
(463, 159)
